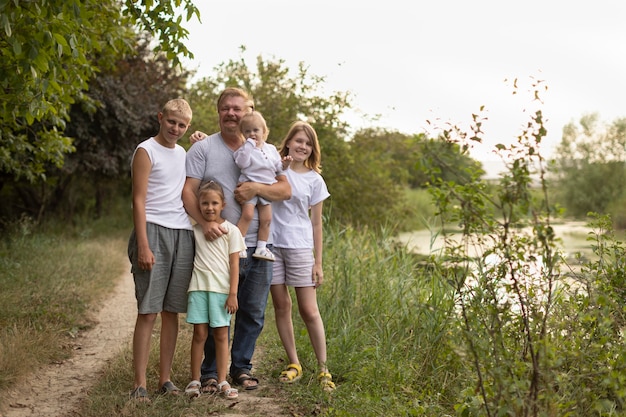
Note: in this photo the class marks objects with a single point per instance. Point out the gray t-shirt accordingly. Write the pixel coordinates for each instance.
(210, 159)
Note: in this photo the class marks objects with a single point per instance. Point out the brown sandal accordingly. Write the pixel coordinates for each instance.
(209, 386)
(244, 379)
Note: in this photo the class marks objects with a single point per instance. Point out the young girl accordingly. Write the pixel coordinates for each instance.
(259, 162)
(297, 239)
(213, 288)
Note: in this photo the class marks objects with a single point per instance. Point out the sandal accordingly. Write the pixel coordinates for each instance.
(193, 389)
(209, 386)
(244, 380)
(140, 394)
(168, 388)
(291, 374)
(228, 393)
(326, 381)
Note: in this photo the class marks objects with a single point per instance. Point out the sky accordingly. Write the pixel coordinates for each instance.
(411, 62)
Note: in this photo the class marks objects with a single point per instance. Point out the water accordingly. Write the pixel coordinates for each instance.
(572, 237)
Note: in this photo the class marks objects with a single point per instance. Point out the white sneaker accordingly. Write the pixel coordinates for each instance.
(263, 253)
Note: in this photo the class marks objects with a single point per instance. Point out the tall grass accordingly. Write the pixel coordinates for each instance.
(386, 316)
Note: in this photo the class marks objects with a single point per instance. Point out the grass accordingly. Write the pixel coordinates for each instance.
(49, 281)
(378, 328)
(394, 347)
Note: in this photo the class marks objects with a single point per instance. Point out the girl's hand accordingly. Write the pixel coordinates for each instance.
(286, 161)
(231, 304)
(318, 275)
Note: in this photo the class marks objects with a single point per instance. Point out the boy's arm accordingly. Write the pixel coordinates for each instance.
(141, 168)
(280, 190)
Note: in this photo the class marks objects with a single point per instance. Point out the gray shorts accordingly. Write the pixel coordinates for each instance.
(293, 267)
(164, 288)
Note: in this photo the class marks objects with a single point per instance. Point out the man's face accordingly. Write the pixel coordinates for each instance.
(230, 111)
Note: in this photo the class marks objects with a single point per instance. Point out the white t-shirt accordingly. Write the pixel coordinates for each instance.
(211, 266)
(164, 202)
(291, 222)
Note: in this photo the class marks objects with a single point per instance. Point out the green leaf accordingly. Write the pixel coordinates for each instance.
(60, 40)
(6, 25)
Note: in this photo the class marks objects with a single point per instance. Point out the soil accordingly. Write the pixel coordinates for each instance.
(58, 388)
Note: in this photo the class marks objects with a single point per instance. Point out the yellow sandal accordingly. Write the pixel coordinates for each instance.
(326, 381)
(291, 374)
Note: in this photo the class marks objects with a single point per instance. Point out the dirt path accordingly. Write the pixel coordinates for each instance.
(59, 388)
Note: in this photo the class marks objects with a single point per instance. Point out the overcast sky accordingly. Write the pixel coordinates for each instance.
(413, 61)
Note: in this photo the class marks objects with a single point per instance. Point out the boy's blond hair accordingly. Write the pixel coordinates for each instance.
(178, 105)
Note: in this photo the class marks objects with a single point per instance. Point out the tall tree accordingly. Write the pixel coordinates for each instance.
(49, 51)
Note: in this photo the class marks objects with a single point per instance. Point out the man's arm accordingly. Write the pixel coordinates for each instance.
(211, 230)
(190, 199)
(280, 190)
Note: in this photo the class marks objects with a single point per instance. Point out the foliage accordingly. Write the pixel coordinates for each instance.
(50, 51)
(589, 330)
(539, 342)
(446, 161)
(506, 285)
(128, 95)
(389, 320)
(589, 167)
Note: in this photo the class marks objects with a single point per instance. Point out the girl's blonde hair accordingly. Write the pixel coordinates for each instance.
(314, 160)
(254, 115)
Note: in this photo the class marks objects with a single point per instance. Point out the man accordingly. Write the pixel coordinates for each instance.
(212, 159)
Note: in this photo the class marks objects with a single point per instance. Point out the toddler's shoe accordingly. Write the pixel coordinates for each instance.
(263, 253)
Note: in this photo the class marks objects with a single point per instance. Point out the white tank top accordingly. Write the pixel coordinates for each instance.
(164, 202)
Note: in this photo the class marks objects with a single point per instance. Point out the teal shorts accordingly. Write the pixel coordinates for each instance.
(208, 307)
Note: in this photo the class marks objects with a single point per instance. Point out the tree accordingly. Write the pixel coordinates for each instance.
(589, 167)
(128, 96)
(50, 50)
